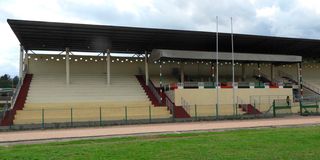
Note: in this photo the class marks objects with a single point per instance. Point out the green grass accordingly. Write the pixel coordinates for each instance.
(259, 144)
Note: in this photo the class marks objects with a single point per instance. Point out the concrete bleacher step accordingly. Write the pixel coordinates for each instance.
(87, 94)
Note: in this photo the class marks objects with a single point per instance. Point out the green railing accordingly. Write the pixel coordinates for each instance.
(281, 106)
(309, 107)
(97, 115)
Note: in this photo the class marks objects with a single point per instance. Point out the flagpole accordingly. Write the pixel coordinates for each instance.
(232, 52)
(217, 62)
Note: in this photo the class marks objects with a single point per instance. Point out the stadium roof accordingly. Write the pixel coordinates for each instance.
(157, 54)
(52, 36)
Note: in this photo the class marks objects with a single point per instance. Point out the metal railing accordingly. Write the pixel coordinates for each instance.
(154, 91)
(185, 105)
(97, 115)
(170, 106)
(18, 87)
(305, 83)
(311, 86)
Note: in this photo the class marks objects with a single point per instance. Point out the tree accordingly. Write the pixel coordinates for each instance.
(5, 77)
(15, 80)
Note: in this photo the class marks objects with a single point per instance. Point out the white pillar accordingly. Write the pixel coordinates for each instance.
(21, 62)
(67, 67)
(299, 78)
(26, 62)
(243, 72)
(108, 67)
(146, 67)
(272, 72)
(182, 72)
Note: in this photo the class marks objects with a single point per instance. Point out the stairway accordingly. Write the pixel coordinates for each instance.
(249, 109)
(179, 112)
(147, 90)
(20, 101)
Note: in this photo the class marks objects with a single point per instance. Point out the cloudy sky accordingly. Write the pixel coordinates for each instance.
(291, 18)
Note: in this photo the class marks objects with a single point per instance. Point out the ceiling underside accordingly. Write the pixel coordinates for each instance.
(52, 36)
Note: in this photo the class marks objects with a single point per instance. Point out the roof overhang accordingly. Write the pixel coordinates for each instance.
(157, 54)
(53, 36)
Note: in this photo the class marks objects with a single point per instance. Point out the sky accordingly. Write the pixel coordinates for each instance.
(288, 18)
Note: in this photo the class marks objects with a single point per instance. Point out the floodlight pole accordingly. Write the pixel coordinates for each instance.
(67, 66)
(232, 52)
(217, 62)
(108, 66)
(146, 68)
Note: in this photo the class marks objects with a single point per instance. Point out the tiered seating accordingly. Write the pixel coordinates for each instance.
(85, 99)
(309, 76)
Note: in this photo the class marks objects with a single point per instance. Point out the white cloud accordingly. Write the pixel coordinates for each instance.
(293, 18)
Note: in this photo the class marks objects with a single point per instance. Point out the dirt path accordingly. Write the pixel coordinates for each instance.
(37, 136)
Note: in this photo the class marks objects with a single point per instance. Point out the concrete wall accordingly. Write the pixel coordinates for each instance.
(208, 96)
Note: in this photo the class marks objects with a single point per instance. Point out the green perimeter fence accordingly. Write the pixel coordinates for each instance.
(99, 116)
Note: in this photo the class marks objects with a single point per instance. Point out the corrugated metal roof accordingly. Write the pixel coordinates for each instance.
(52, 36)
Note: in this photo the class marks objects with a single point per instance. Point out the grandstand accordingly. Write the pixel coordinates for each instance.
(144, 75)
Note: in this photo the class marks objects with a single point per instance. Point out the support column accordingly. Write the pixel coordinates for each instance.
(181, 72)
(67, 67)
(21, 62)
(146, 66)
(243, 72)
(108, 67)
(160, 82)
(26, 61)
(300, 79)
(272, 72)
(259, 73)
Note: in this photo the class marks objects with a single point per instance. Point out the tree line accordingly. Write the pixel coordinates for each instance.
(6, 81)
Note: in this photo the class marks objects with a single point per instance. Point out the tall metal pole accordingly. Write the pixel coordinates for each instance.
(108, 66)
(67, 66)
(146, 68)
(232, 52)
(217, 62)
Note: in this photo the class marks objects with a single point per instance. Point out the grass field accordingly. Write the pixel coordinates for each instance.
(260, 144)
